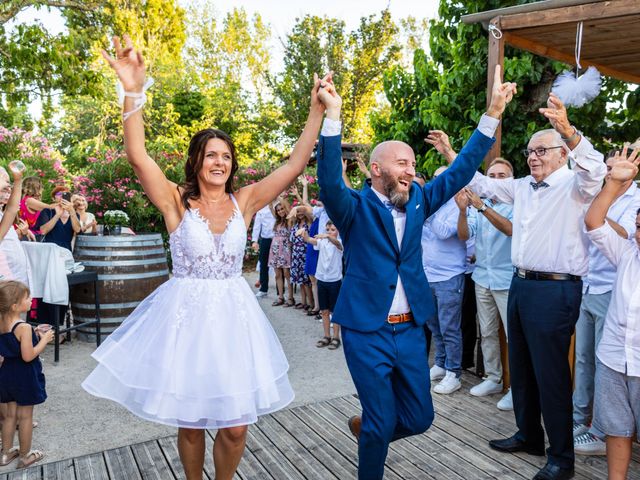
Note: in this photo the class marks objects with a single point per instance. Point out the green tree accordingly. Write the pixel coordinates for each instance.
(447, 91)
(358, 60)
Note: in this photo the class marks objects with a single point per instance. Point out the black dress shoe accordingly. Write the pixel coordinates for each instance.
(554, 472)
(514, 444)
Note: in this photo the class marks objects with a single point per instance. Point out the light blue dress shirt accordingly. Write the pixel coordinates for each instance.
(444, 255)
(494, 269)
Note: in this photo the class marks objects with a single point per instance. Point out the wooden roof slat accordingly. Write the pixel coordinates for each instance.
(547, 51)
(577, 13)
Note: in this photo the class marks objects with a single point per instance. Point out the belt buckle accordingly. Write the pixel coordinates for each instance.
(521, 273)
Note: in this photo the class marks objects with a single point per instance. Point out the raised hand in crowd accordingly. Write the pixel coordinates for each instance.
(363, 167)
(128, 64)
(330, 98)
(622, 173)
(556, 113)
(440, 140)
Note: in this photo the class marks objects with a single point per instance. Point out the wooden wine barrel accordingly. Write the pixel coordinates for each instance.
(129, 268)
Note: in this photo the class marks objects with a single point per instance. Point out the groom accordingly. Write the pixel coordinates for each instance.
(385, 299)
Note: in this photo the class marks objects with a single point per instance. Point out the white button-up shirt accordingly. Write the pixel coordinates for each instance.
(263, 224)
(601, 272)
(548, 234)
(619, 348)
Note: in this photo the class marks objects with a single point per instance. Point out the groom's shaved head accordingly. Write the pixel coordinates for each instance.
(389, 149)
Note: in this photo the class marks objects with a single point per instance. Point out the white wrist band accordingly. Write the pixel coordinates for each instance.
(140, 98)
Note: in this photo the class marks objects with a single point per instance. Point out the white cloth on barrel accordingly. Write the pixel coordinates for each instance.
(48, 278)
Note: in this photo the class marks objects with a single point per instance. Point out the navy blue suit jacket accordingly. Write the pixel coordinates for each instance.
(372, 255)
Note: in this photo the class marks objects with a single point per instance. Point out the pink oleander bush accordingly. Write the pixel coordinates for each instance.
(37, 154)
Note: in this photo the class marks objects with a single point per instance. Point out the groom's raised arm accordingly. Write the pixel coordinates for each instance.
(464, 165)
(338, 200)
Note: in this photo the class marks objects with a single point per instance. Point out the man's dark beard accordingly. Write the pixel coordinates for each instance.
(398, 199)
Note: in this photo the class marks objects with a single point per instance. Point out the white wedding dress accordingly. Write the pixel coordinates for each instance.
(199, 352)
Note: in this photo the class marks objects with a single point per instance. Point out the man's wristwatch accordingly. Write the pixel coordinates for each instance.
(482, 208)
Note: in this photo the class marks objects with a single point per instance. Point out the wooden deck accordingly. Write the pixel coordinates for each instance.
(313, 442)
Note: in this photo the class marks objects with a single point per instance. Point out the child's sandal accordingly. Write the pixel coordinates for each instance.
(30, 458)
(335, 343)
(10, 456)
(323, 342)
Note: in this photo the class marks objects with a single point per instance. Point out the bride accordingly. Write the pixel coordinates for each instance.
(199, 352)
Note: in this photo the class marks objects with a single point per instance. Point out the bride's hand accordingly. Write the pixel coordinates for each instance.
(128, 64)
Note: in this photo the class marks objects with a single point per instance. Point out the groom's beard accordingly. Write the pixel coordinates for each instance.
(390, 184)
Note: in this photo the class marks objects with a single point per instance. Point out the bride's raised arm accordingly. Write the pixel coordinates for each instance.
(128, 65)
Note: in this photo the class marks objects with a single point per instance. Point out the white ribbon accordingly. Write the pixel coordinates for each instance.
(578, 48)
(140, 97)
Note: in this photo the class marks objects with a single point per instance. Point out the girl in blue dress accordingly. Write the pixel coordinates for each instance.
(22, 382)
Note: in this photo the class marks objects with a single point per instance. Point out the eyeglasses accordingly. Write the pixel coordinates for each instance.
(539, 152)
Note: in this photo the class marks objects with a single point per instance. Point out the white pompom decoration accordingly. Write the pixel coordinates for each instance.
(578, 91)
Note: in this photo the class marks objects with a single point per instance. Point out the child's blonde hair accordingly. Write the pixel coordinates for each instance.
(11, 292)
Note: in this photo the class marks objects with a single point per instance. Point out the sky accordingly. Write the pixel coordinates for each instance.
(280, 14)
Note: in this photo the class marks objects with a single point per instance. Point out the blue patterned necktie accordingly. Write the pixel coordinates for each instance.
(537, 185)
(391, 207)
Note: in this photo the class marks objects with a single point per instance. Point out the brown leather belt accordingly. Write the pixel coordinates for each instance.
(532, 275)
(400, 318)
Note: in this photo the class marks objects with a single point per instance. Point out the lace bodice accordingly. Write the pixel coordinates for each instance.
(199, 253)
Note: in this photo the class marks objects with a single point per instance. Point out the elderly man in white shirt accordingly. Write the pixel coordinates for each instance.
(261, 236)
(617, 383)
(596, 295)
(549, 252)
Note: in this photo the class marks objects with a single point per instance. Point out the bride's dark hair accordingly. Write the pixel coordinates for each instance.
(192, 167)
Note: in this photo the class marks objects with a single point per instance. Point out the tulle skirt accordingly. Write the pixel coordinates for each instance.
(195, 354)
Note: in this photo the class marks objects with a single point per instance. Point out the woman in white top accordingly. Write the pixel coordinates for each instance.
(88, 222)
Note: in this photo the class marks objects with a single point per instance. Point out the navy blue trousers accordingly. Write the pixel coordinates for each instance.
(390, 370)
(264, 245)
(542, 315)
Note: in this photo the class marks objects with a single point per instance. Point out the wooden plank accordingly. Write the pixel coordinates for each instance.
(62, 470)
(169, 447)
(293, 450)
(121, 464)
(34, 473)
(321, 448)
(546, 51)
(151, 461)
(91, 467)
(270, 457)
(573, 14)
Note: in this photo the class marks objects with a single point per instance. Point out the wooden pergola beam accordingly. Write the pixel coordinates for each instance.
(549, 52)
(574, 14)
(496, 57)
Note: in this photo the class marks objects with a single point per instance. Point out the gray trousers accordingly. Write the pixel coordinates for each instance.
(593, 310)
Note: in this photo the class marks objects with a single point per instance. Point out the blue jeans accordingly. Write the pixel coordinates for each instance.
(593, 310)
(445, 326)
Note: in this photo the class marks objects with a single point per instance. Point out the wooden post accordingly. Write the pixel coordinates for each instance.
(496, 57)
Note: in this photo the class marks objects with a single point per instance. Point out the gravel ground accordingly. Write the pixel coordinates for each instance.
(73, 423)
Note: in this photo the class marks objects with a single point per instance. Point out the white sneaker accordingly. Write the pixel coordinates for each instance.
(449, 384)
(579, 429)
(506, 402)
(261, 294)
(588, 444)
(436, 373)
(487, 387)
